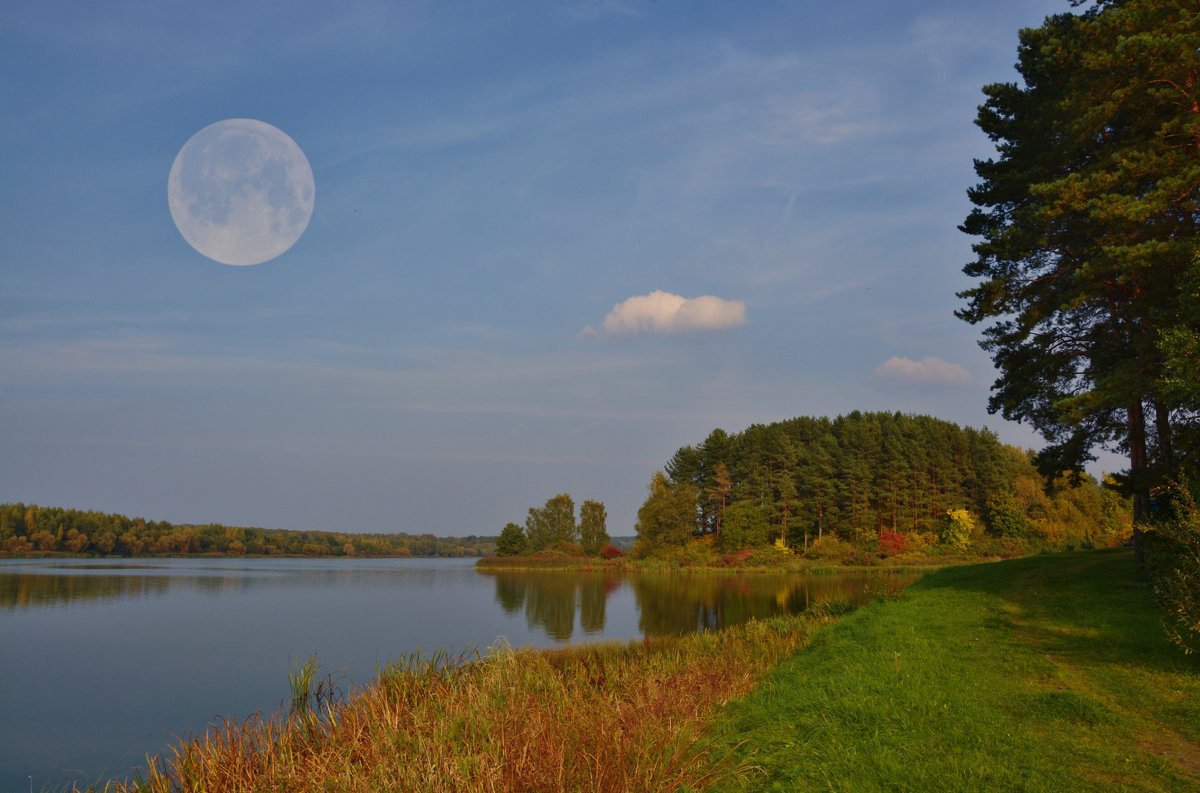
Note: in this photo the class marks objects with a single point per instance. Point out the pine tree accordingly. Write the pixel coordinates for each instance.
(1089, 224)
(512, 541)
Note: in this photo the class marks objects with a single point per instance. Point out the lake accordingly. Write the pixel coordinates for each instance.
(105, 660)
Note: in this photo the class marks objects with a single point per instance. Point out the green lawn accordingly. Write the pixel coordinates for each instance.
(1048, 673)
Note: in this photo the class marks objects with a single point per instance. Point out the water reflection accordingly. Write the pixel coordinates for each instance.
(20, 591)
(47, 589)
(75, 582)
(551, 600)
(673, 605)
(561, 605)
(232, 626)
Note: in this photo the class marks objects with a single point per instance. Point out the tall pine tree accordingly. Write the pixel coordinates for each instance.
(1088, 221)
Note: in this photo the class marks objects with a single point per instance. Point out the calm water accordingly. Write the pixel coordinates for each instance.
(102, 661)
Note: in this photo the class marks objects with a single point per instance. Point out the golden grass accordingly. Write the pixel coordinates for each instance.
(613, 717)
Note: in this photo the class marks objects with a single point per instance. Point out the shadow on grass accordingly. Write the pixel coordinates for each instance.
(1048, 673)
(1094, 605)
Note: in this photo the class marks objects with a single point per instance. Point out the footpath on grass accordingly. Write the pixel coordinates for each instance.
(1049, 673)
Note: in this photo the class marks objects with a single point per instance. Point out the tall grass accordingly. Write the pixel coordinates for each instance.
(300, 681)
(613, 717)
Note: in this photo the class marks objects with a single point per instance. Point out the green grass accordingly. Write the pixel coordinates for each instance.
(1048, 673)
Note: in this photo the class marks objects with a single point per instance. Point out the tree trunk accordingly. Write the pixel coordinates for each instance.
(1166, 446)
(1137, 473)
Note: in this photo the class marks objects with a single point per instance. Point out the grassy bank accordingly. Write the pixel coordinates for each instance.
(763, 563)
(1046, 673)
(614, 717)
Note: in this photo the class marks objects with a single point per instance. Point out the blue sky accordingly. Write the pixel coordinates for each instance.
(453, 339)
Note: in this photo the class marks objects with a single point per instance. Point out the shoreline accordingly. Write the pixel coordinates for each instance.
(1042, 672)
(607, 716)
(639, 566)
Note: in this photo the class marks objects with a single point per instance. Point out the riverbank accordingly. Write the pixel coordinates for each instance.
(1045, 673)
(607, 717)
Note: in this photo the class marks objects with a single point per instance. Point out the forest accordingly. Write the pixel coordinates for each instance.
(890, 481)
(29, 529)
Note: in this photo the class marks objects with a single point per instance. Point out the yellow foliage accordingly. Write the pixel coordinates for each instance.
(958, 529)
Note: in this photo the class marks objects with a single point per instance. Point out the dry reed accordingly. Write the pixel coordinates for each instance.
(612, 717)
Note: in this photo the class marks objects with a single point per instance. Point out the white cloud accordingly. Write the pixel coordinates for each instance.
(927, 371)
(663, 312)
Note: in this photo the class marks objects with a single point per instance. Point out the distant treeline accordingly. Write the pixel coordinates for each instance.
(863, 474)
(29, 528)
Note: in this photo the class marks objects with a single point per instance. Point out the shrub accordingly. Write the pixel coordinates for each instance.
(1004, 517)
(1006, 547)
(735, 559)
(696, 553)
(701, 551)
(828, 547)
(565, 548)
(860, 558)
(769, 556)
(611, 552)
(1172, 553)
(892, 543)
(956, 529)
(920, 541)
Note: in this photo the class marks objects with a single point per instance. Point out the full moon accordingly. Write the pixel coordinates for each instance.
(241, 191)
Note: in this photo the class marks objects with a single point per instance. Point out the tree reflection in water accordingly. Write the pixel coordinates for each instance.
(561, 604)
(550, 600)
(674, 604)
(50, 585)
(30, 591)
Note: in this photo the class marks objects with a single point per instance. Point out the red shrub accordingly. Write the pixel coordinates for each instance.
(891, 543)
(860, 558)
(736, 558)
(611, 552)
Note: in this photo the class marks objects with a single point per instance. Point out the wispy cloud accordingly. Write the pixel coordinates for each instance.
(664, 312)
(927, 371)
(592, 10)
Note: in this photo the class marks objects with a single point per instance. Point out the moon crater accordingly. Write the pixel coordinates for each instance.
(241, 191)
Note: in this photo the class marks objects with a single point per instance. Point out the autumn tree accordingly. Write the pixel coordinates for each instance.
(560, 519)
(593, 529)
(668, 516)
(75, 541)
(553, 524)
(537, 529)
